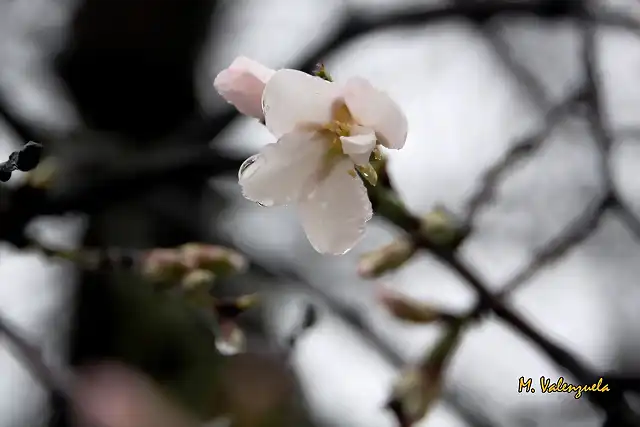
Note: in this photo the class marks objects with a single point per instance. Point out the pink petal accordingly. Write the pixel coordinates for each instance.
(334, 215)
(293, 98)
(282, 170)
(242, 85)
(375, 109)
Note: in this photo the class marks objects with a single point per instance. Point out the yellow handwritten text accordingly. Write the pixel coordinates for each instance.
(560, 386)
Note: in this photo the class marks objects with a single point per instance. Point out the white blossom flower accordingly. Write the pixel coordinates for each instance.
(325, 131)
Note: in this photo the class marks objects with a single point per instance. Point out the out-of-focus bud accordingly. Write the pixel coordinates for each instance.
(375, 264)
(44, 174)
(410, 310)
(419, 387)
(232, 308)
(321, 71)
(163, 265)
(231, 340)
(442, 228)
(195, 279)
(217, 259)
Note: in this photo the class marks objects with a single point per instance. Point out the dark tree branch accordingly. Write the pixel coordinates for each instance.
(574, 234)
(518, 152)
(600, 129)
(354, 319)
(387, 206)
(32, 357)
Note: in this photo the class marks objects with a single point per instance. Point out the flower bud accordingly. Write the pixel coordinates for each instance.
(321, 71)
(442, 228)
(234, 307)
(217, 259)
(44, 174)
(420, 386)
(196, 279)
(409, 310)
(375, 264)
(242, 85)
(163, 265)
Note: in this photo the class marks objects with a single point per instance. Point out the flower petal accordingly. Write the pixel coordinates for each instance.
(334, 215)
(359, 144)
(278, 175)
(292, 98)
(242, 85)
(375, 109)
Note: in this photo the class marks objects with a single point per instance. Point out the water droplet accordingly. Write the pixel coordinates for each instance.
(247, 168)
(369, 173)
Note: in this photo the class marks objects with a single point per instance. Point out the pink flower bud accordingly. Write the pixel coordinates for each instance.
(242, 85)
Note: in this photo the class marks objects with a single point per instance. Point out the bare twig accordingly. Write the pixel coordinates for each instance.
(598, 123)
(56, 381)
(574, 234)
(519, 151)
(353, 318)
(32, 356)
(388, 206)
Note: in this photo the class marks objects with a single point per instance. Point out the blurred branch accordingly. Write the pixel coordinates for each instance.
(56, 382)
(388, 205)
(32, 357)
(602, 134)
(527, 80)
(518, 152)
(25, 159)
(136, 175)
(473, 417)
(16, 124)
(357, 24)
(574, 234)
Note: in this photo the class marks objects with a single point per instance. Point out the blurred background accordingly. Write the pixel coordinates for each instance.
(146, 155)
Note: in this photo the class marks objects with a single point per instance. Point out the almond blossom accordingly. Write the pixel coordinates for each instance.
(326, 132)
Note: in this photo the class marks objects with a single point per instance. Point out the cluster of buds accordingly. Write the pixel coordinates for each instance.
(195, 267)
(191, 265)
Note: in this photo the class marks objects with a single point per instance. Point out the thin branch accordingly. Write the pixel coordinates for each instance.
(574, 234)
(355, 320)
(598, 123)
(32, 356)
(518, 152)
(357, 24)
(388, 206)
(25, 159)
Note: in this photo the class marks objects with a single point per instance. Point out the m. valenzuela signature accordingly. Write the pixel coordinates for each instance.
(560, 386)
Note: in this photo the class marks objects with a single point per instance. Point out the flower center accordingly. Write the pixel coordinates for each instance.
(340, 126)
